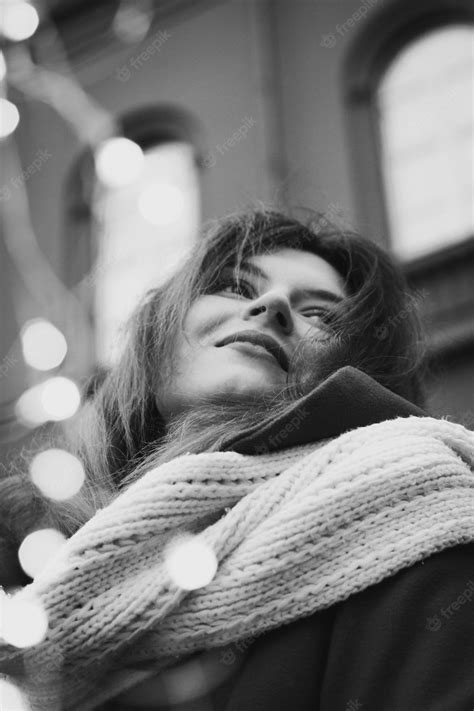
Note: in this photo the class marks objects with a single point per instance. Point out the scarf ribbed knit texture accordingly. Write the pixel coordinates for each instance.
(293, 531)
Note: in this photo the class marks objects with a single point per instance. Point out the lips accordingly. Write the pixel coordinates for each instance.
(259, 339)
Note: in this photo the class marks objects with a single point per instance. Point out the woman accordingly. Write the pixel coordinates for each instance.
(263, 401)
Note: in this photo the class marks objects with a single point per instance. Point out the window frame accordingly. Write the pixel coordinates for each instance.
(446, 273)
(386, 31)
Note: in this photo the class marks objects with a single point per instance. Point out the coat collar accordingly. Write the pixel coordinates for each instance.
(347, 399)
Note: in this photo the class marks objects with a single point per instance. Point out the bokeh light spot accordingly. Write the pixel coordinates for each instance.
(37, 548)
(190, 562)
(44, 346)
(57, 473)
(9, 117)
(18, 19)
(60, 398)
(119, 161)
(23, 623)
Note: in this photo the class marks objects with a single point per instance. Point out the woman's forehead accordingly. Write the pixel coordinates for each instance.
(296, 266)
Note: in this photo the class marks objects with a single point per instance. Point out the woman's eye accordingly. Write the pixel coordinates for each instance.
(315, 312)
(242, 287)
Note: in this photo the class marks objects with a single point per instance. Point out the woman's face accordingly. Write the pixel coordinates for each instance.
(281, 298)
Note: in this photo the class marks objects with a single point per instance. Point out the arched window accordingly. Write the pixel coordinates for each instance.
(137, 232)
(408, 92)
(426, 122)
(407, 79)
(146, 227)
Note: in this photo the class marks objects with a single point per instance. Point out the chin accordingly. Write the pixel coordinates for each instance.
(250, 382)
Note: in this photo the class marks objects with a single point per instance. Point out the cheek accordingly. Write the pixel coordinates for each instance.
(203, 323)
(198, 332)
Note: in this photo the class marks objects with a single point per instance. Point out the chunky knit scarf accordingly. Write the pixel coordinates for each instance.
(293, 531)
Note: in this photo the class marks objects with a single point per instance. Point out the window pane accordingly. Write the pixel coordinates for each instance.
(425, 108)
(147, 227)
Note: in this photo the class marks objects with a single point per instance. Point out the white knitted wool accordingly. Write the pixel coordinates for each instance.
(307, 527)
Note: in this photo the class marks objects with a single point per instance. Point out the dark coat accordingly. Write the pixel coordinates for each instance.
(405, 644)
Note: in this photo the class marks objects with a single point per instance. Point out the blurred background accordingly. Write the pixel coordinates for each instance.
(126, 125)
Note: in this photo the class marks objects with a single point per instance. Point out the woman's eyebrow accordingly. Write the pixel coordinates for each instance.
(299, 293)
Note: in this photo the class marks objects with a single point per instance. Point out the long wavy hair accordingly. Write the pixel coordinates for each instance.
(119, 432)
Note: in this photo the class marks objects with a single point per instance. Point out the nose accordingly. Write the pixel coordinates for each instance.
(272, 308)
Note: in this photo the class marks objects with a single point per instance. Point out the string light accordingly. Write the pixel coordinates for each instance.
(9, 117)
(18, 20)
(55, 399)
(132, 21)
(23, 623)
(61, 398)
(37, 548)
(11, 698)
(161, 203)
(118, 162)
(29, 408)
(191, 563)
(44, 346)
(57, 473)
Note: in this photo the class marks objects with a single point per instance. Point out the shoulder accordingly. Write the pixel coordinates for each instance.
(408, 642)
